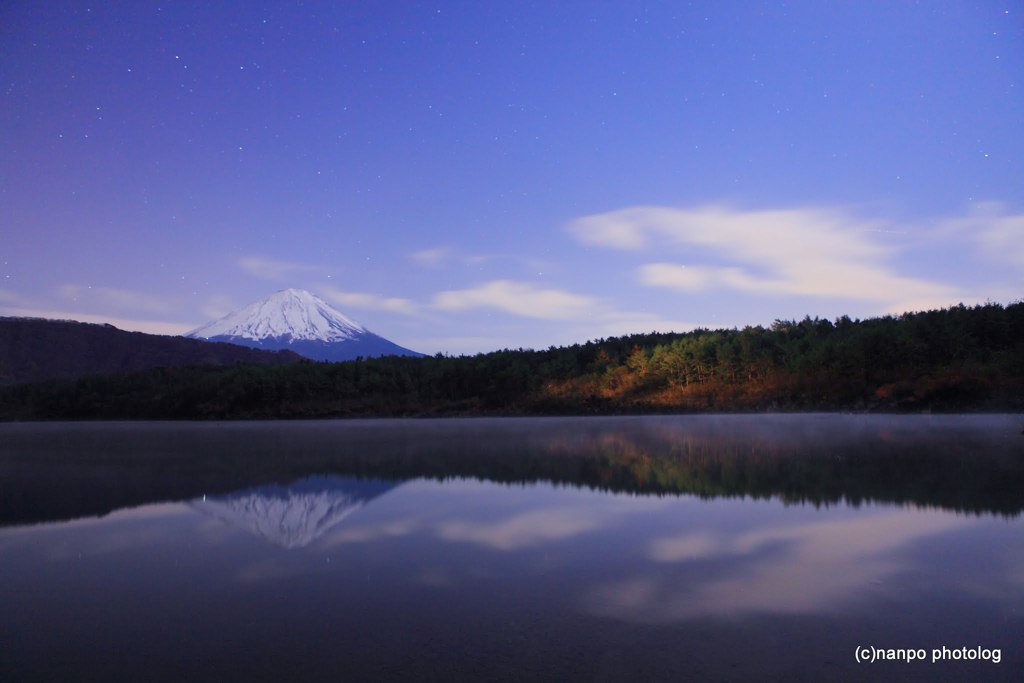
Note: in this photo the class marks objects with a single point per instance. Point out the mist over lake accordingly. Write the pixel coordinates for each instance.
(641, 548)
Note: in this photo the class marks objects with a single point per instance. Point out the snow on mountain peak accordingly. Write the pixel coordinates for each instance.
(291, 314)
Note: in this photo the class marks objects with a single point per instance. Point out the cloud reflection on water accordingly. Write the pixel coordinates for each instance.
(794, 568)
(495, 516)
(634, 559)
(124, 530)
(522, 530)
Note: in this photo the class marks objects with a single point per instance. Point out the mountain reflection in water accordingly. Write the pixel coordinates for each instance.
(964, 463)
(295, 514)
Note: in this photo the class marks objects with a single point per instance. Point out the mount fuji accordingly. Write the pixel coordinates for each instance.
(302, 322)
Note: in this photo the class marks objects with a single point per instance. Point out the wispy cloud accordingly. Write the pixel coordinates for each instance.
(373, 532)
(805, 252)
(129, 303)
(12, 298)
(999, 234)
(465, 344)
(519, 298)
(1004, 240)
(275, 270)
(447, 257)
(614, 323)
(373, 302)
(523, 530)
(583, 316)
(131, 324)
(122, 299)
(432, 258)
(810, 567)
(217, 306)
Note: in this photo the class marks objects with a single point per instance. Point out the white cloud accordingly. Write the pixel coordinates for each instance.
(519, 298)
(274, 270)
(806, 252)
(373, 302)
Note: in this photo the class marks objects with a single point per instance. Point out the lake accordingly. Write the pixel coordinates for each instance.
(758, 547)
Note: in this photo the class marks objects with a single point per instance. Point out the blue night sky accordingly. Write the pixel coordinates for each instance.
(467, 176)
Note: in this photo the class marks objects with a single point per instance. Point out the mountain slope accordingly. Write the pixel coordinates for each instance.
(34, 349)
(302, 322)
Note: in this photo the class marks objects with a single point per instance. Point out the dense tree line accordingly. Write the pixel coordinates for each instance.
(961, 358)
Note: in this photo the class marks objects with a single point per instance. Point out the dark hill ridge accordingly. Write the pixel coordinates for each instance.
(34, 349)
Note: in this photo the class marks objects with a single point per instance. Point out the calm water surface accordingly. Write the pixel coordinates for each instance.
(665, 548)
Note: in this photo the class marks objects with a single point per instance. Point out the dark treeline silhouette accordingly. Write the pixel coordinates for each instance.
(962, 358)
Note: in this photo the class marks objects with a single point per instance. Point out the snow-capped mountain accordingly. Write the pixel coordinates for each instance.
(302, 322)
(296, 514)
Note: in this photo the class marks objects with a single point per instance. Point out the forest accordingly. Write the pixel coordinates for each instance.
(964, 358)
